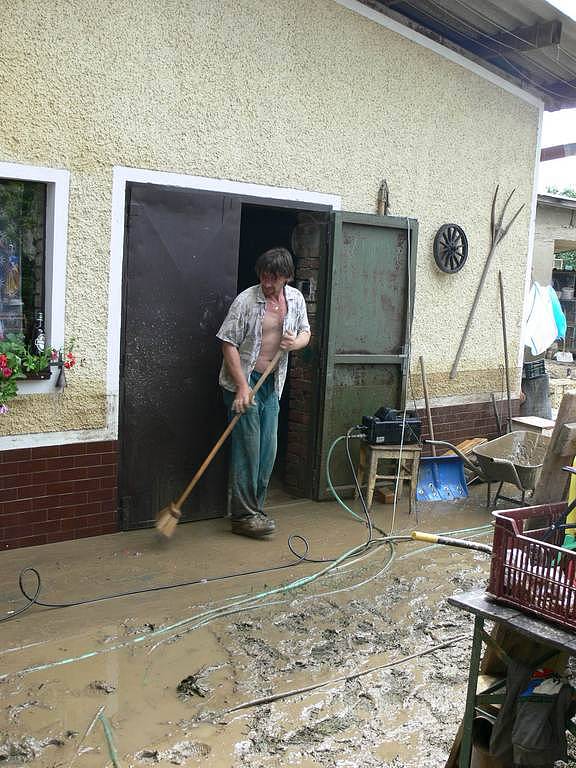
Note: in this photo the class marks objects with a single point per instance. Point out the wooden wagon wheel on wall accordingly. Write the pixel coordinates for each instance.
(450, 248)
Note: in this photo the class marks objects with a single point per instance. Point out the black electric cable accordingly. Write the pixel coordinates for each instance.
(365, 509)
(300, 558)
(33, 599)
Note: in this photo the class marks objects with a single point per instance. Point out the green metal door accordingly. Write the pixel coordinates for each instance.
(368, 315)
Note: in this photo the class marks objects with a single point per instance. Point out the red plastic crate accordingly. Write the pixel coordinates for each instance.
(530, 570)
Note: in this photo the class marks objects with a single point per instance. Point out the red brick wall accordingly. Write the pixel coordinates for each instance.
(456, 423)
(58, 492)
(304, 369)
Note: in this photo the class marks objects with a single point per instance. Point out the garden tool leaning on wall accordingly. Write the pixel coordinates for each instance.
(168, 517)
(498, 233)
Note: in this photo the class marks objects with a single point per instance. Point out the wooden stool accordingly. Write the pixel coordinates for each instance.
(370, 455)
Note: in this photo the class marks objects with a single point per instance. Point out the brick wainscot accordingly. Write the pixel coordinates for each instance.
(57, 492)
(455, 423)
(70, 491)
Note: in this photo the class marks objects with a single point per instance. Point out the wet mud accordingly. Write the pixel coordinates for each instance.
(169, 695)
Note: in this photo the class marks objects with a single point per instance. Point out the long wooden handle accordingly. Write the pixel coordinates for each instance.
(271, 366)
(427, 404)
(505, 343)
(456, 363)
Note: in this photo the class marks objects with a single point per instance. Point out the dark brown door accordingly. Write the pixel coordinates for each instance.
(180, 275)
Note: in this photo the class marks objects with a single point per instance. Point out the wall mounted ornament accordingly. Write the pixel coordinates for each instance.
(450, 248)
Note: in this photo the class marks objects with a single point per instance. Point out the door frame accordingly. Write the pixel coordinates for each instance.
(122, 175)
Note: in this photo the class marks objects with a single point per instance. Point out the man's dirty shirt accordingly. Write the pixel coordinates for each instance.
(243, 328)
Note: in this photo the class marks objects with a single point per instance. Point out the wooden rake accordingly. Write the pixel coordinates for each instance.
(168, 517)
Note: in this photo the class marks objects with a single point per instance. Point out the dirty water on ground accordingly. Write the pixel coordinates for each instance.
(166, 693)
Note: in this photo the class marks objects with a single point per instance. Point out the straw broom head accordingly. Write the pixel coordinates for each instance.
(167, 520)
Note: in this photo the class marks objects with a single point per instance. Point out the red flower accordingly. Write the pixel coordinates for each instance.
(3, 361)
(68, 365)
(6, 372)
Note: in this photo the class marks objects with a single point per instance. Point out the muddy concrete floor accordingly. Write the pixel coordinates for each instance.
(167, 671)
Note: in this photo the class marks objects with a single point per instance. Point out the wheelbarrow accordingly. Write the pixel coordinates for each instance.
(514, 458)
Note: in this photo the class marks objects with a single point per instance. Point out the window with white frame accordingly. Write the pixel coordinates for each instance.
(33, 240)
(22, 256)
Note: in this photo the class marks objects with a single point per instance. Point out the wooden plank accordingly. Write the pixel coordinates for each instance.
(529, 38)
(467, 446)
(536, 422)
(553, 481)
(566, 445)
(542, 632)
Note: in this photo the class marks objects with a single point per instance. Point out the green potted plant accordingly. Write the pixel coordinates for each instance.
(18, 362)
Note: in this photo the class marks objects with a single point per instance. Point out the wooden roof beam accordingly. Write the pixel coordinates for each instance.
(521, 39)
(560, 150)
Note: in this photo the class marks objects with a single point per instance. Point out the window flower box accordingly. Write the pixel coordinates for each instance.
(17, 363)
(38, 375)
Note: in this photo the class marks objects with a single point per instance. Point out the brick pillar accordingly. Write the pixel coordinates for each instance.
(309, 245)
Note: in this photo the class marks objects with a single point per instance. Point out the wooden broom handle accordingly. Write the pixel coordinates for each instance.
(271, 365)
(427, 404)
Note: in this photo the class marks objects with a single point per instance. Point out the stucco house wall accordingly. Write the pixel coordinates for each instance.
(299, 94)
(553, 224)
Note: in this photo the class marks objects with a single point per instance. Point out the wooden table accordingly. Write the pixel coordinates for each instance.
(476, 603)
(408, 456)
(533, 424)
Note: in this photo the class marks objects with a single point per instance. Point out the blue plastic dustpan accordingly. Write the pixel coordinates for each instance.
(441, 478)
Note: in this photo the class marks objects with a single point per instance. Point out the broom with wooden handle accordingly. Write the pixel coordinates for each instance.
(168, 517)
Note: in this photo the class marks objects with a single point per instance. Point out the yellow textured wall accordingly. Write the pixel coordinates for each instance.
(552, 224)
(291, 93)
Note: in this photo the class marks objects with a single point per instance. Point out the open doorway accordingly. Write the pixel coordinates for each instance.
(564, 283)
(187, 254)
(305, 234)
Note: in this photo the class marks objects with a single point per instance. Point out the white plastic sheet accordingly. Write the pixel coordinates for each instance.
(540, 327)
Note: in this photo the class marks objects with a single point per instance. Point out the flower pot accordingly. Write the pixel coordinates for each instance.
(38, 375)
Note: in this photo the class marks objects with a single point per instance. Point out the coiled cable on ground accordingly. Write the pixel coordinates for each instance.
(32, 595)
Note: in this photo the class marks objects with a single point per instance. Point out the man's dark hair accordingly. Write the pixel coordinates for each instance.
(276, 261)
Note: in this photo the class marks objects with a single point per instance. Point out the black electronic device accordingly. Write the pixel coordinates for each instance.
(386, 427)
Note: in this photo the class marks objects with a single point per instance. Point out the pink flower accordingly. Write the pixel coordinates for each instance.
(3, 361)
(6, 372)
(54, 355)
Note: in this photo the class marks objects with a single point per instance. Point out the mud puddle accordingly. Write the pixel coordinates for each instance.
(167, 696)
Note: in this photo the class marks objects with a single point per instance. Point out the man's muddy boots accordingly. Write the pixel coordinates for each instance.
(257, 526)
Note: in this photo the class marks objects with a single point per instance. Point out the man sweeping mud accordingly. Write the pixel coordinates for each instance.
(262, 320)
